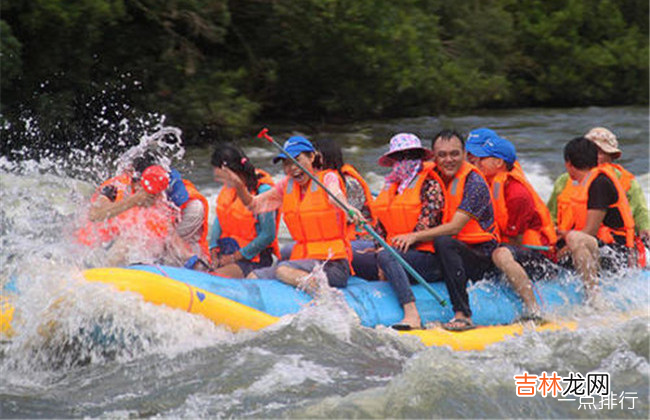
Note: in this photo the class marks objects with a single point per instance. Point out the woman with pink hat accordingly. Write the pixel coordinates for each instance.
(411, 200)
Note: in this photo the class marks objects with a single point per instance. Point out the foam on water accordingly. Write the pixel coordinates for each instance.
(61, 320)
(82, 349)
(437, 382)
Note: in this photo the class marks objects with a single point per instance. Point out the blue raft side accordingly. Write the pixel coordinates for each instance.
(492, 302)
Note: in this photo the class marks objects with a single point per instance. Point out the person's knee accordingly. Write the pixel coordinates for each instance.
(572, 239)
(576, 240)
(502, 256)
(384, 258)
(337, 280)
(283, 271)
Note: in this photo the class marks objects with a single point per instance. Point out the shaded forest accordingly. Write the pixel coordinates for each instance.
(218, 68)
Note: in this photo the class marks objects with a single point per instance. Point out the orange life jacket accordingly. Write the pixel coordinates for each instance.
(349, 170)
(472, 232)
(155, 219)
(318, 227)
(194, 194)
(399, 213)
(625, 177)
(237, 222)
(530, 236)
(572, 207)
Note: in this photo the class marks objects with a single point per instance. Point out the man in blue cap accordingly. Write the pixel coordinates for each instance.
(524, 221)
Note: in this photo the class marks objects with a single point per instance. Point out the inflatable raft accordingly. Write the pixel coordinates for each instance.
(256, 304)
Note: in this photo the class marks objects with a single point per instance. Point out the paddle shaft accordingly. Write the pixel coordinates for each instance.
(264, 134)
(538, 247)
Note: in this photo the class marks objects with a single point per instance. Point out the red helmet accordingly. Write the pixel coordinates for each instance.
(155, 179)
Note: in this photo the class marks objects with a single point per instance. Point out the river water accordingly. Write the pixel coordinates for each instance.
(320, 363)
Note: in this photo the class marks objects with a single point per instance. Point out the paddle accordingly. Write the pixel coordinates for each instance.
(538, 247)
(264, 135)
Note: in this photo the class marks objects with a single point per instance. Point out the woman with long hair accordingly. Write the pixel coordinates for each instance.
(240, 241)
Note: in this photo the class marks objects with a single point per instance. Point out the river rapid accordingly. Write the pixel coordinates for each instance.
(319, 363)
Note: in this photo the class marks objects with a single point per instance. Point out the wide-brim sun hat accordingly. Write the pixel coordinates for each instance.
(605, 140)
(294, 146)
(402, 142)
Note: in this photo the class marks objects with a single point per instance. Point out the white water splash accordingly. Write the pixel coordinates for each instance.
(166, 143)
(63, 321)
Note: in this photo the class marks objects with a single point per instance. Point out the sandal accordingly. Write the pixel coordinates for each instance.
(532, 317)
(459, 324)
(404, 327)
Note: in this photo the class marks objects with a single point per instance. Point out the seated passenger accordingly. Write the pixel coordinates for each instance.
(468, 234)
(593, 214)
(241, 242)
(187, 243)
(522, 216)
(412, 200)
(129, 221)
(608, 152)
(357, 192)
(314, 220)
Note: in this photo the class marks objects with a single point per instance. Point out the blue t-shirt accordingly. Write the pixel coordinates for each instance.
(477, 204)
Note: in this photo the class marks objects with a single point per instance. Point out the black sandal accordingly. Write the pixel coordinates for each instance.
(465, 324)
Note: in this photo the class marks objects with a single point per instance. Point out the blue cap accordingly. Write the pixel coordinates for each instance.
(295, 146)
(484, 142)
(177, 192)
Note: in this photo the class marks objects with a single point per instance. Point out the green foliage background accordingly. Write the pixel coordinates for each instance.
(216, 67)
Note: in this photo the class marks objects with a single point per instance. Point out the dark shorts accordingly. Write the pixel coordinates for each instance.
(337, 271)
(266, 260)
(613, 257)
(537, 265)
